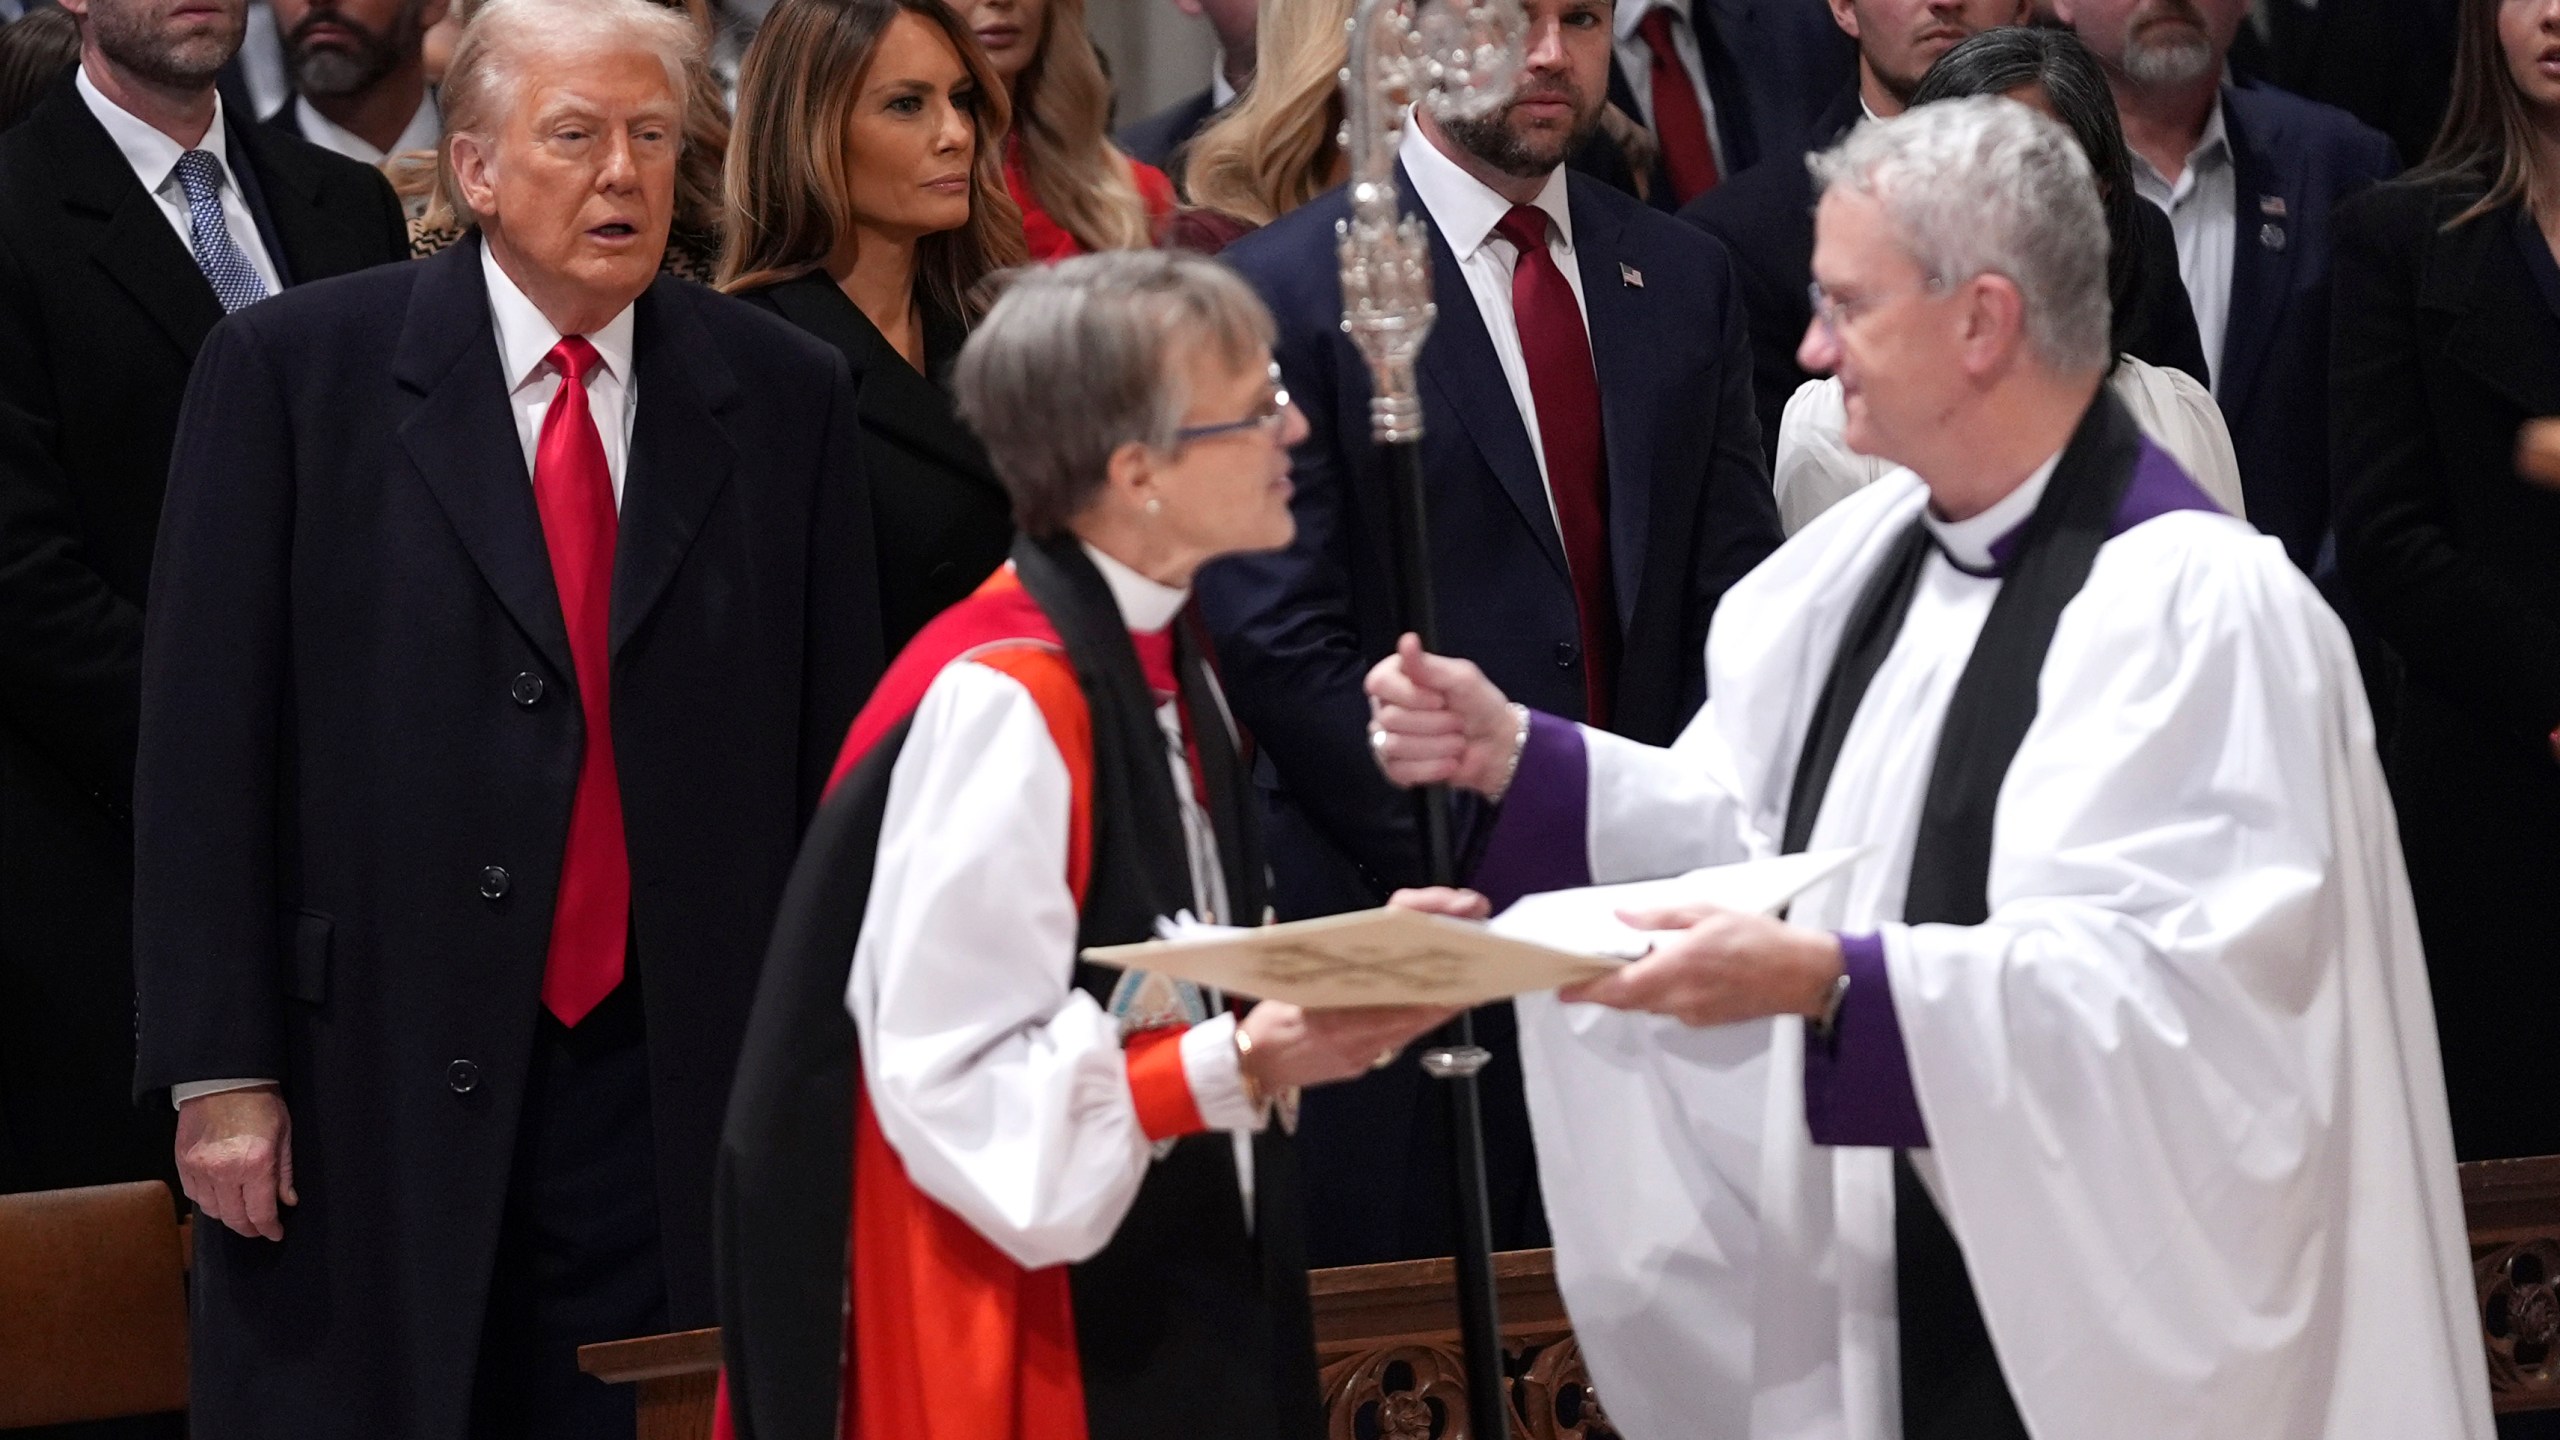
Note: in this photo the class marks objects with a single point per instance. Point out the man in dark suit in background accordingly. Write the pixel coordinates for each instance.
(1159, 138)
(2248, 175)
(359, 74)
(1765, 215)
(135, 209)
(1722, 84)
(2389, 63)
(1595, 485)
(512, 607)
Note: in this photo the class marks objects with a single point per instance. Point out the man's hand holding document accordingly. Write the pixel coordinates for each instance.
(1401, 956)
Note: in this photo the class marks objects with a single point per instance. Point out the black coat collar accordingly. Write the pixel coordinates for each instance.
(897, 402)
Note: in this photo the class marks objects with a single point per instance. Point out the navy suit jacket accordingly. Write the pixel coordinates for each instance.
(1689, 513)
(1772, 66)
(2293, 161)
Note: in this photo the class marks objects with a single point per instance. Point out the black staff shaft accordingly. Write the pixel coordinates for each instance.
(1453, 1056)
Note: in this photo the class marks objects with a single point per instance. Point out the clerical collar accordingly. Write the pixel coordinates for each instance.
(1145, 606)
(1981, 545)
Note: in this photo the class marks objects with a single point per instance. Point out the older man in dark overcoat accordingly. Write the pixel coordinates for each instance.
(510, 608)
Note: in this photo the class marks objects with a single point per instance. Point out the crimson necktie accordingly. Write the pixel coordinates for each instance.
(591, 924)
(1679, 121)
(1566, 392)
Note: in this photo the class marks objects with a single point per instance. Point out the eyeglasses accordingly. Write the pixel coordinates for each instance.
(1831, 312)
(1269, 417)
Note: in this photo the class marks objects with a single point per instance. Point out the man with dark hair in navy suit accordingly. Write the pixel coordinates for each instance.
(1595, 485)
(2248, 175)
(1722, 84)
(1159, 139)
(359, 73)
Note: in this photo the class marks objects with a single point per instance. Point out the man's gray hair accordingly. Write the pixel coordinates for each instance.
(1083, 357)
(1983, 186)
(487, 71)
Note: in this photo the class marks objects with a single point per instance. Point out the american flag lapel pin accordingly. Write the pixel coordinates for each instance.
(1630, 276)
(2271, 206)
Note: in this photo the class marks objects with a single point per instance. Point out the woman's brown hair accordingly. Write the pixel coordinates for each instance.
(1276, 148)
(789, 163)
(2488, 138)
(1062, 110)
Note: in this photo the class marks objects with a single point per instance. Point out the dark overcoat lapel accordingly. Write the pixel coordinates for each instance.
(681, 453)
(897, 401)
(464, 444)
(131, 239)
(2469, 291)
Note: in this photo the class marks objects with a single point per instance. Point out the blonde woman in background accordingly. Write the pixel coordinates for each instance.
(693, 239)
(1077, 191)
(1277, 146)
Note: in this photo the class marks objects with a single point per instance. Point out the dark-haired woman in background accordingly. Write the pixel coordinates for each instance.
(2447, 340)
(866, 202)
(2159, 363)
(36, 49)
(1077, 191)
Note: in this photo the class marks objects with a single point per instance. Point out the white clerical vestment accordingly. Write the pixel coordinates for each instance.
(2183, 1106)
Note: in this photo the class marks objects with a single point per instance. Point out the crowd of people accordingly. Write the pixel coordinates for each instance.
(475, 694)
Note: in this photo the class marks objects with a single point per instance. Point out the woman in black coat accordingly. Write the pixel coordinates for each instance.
(2447, 341)
(866, 203)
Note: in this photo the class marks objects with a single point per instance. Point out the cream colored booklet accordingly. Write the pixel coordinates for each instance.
(1398, 957)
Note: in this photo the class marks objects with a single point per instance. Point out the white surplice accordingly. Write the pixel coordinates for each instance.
(2183, 1088)
(1001, 1085)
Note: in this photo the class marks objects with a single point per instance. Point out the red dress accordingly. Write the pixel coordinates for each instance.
(1049, 240)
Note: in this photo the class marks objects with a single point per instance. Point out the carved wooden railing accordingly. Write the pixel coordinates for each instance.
(1387, 1335)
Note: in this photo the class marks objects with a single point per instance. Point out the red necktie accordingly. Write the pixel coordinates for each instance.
(1679, 122)
(591, 924)
(1566, 392)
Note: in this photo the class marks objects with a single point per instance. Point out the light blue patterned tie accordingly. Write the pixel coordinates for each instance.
(235, 281)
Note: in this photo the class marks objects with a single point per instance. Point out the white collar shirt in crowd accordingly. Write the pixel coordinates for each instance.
(424, 129)
(154, 158)
(1001, 1084)
(525, 339)
(1464, 210)
(1221, 92)
(1635, 62)
(2204, 210)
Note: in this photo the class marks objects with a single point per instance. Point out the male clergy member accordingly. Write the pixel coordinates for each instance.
(510, 608)
(2100, 1099)
(1596, 483)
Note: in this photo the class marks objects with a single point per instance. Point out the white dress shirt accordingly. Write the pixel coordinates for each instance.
(154, 158)
(424, 130)
(1464, 210)
(1635, 60)
(524, 349)
(2204, 210)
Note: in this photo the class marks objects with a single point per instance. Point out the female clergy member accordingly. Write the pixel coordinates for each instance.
(1071, 1212)
(866, 202)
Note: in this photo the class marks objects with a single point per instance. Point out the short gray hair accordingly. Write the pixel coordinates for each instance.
(1987, 186)
(482, 82)
(1083, 357)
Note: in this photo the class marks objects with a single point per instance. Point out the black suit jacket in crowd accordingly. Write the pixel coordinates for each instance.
(1765, 217)
(102, 309)
(943, 520)
(2447, 342)
(1689, 512)
(2293, 161)
(360, 735)
(1770, 66)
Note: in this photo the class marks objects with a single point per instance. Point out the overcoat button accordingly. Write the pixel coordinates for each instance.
(462, 1077)
(1566, 653)
(527, 690)
(493, 882)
